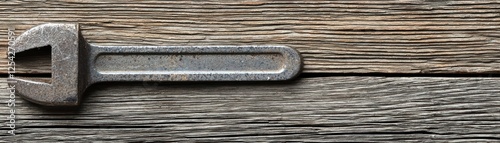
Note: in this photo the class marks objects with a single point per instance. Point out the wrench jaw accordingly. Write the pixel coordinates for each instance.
(39, 93)
(65, 88)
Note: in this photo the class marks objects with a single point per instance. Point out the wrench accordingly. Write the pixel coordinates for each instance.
(76, 64)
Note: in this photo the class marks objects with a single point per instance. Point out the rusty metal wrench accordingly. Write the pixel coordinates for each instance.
(76, 64)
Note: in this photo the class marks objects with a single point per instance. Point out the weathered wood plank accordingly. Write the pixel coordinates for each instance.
(417, 36)
(347, 109)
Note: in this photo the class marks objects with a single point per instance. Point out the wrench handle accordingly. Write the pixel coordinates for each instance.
(193, 63)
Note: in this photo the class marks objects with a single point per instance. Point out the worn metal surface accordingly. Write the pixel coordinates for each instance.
(76, 64)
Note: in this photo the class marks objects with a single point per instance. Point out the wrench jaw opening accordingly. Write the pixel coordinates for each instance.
(64, 90)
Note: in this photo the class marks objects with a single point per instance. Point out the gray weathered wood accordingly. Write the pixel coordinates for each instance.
(358, 109)
(364, 36)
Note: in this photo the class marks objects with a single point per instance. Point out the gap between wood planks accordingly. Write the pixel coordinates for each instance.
(312, 75)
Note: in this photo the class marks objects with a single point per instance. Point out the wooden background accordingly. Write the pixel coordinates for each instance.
(352, 90)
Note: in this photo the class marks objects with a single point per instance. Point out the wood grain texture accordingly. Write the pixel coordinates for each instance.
(400, 36)
(362, 36)
(322, 109)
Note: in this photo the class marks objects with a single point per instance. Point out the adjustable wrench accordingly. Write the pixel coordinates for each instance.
(76, 64)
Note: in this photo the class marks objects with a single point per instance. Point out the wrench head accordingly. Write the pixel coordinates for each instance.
(66, 43)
